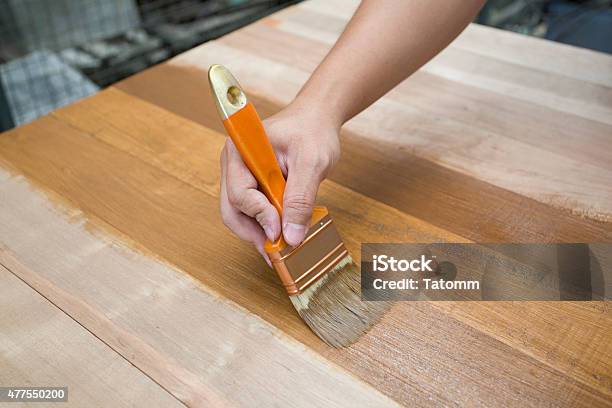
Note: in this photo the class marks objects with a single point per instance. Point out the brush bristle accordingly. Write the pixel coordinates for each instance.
(333, 308)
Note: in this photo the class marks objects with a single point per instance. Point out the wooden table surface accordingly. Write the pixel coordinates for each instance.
(118, 279)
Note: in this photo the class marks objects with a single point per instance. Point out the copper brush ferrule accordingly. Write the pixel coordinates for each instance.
(322, 250)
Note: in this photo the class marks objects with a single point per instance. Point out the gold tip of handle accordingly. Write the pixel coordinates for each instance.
(226, 90)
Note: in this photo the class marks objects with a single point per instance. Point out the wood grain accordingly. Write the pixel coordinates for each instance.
(460, 64)
(496, 118)
(479, 92)
(203, 349)
(458, 132)
(116, 103)
(534, 53)
(502, 138)
(399, 357)
(42, 346)
(460, 200)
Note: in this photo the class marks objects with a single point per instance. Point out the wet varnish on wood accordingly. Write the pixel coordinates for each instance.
(112, 247)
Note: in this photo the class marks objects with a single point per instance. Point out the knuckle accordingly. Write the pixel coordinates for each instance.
(245, 202)
(320, 162)
(261, 217)
(324, 160)
(234, 197)
(251, 207)
(300, 203)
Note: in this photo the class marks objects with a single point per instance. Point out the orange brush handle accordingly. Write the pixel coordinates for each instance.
(247, 132)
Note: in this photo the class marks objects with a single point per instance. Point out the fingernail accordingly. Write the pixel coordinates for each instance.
(294, 233)
(269, 233)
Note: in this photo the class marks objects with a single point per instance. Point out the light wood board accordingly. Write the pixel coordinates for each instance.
(42, 346)
(120, 170)
(203, 349)
(109, 210)
(537, 126)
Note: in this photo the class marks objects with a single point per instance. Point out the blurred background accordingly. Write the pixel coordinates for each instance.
(53, 52)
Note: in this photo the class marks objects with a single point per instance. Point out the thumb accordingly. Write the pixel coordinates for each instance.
(300, 193)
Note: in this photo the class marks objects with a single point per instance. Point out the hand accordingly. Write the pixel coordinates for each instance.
(307, 147)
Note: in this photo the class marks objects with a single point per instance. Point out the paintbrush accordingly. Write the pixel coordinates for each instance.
(319, 275)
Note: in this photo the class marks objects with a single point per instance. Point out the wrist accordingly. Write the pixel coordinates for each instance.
(320, 109)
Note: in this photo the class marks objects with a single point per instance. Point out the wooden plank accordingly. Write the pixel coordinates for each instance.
(563, 153)
(140, 135)
(191, 212)
(531, 52)
(539, 54)
(174, 209)
(430, 125)
(460, 124)
(460, 200)
(138, 172)
(511, 79)
(549, 331)
(41, 346)
(203, 349)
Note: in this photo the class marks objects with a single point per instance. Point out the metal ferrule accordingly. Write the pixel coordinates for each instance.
(228, 93)
(319, 253)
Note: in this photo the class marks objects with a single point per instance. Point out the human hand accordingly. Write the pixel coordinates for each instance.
(307, 147)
